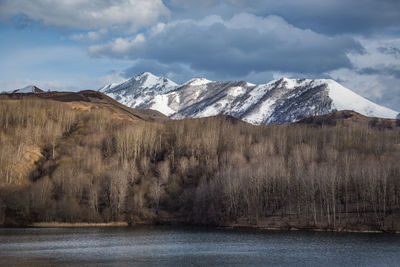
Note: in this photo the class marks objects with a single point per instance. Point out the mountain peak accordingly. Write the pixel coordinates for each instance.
(198, 81)
(146, 75)
(149, 80)
(145, 80)
(139, 89)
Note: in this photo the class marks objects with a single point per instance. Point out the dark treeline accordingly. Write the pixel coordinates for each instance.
(91, 167)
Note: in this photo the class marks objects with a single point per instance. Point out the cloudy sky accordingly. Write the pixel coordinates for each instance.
(85, 44)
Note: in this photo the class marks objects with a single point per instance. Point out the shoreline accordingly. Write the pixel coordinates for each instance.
(228, 226)
(238, 226)
(76, 225)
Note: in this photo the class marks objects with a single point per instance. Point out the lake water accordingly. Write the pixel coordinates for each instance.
(193, 246)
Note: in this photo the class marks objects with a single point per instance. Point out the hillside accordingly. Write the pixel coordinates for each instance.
(277, 102)
(350, 118)
(82, 157)
(92, 100)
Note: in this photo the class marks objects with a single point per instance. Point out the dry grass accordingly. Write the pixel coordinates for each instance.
(23, 167)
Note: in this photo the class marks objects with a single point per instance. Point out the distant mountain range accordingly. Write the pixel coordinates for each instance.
(278, 102)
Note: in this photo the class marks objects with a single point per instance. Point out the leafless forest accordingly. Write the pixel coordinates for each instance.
(58, 163)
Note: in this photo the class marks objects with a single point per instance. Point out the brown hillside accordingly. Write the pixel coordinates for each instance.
(65, 157)
(90, 100)
(349, 118)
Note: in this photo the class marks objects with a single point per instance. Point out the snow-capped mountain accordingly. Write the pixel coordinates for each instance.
(139, 90)
(279, 101)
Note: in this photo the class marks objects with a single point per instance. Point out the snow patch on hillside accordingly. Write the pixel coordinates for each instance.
(236, 91)
(198, 82)
(160, 103)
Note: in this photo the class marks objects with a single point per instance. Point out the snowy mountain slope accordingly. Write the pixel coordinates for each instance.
(279, 101)
(344, 98)
(139, 90)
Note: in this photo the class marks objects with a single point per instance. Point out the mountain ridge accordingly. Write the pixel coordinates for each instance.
(279, 101)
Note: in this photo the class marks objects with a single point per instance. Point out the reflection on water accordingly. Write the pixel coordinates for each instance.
(193, 246)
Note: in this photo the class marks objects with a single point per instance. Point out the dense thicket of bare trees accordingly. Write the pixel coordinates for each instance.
(204, 171)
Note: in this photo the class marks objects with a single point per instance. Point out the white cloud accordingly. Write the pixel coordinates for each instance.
(120, 47)
(91, 36)
(374, 56)
(127, 15)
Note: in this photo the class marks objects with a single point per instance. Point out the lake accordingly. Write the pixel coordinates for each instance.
(193, 246)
